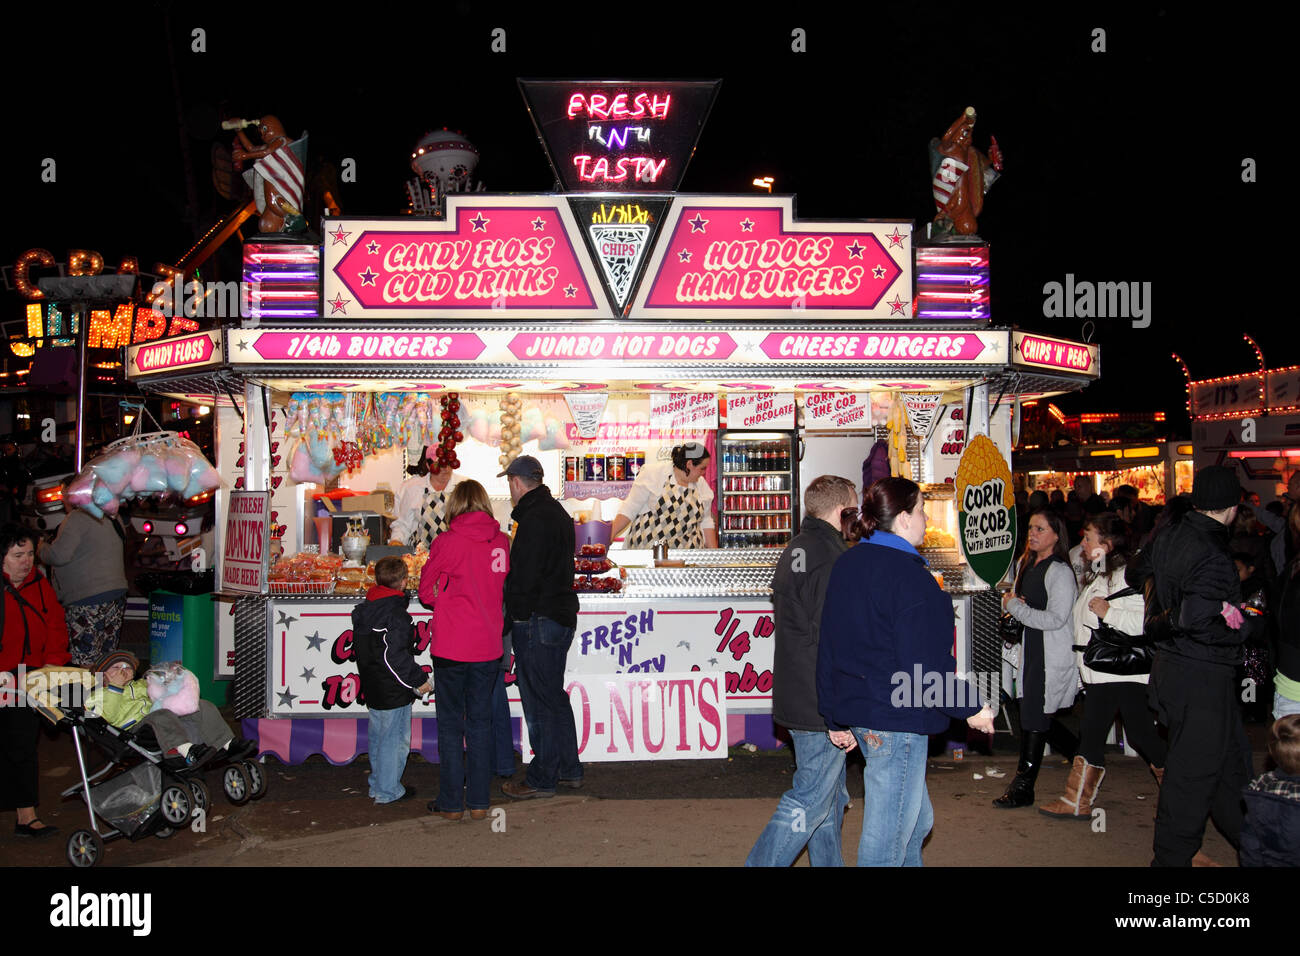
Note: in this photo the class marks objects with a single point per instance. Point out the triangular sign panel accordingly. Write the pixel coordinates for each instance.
(620, 232)
(616, 135)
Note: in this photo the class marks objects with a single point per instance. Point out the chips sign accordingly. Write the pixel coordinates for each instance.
(247, 542)
(986, 510)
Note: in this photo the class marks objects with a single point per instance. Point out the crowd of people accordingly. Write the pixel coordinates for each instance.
(1143, 611)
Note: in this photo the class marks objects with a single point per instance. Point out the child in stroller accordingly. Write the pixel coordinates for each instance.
(190, 731)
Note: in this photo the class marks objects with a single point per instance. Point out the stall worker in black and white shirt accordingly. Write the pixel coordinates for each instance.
(421, 506)
(670, 503)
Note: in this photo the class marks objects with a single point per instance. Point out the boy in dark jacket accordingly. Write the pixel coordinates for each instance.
(1270, 835)
(383, 642)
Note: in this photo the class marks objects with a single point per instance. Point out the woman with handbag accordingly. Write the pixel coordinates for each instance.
(1114, 669)
(1047, 678)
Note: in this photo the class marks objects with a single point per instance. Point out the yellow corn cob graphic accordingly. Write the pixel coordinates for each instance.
(980, 462)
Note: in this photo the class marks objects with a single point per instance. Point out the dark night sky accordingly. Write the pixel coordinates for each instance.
(1120, 166)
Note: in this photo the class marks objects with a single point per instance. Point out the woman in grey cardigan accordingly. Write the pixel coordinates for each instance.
(88, 569)
(1047, 678)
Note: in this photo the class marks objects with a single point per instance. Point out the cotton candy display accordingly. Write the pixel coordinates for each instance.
(152, 464)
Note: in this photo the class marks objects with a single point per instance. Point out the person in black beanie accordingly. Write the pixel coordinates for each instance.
(1194, 613)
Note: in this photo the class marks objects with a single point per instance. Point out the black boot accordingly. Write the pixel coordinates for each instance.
(1021, 791)
(1062, 742)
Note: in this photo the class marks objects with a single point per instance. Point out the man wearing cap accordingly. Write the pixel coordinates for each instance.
(1193, 688)
(542, 612)
(421, 506)
(670, 504)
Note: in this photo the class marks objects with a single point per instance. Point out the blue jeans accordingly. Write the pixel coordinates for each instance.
(896, 811)
(1284, 705)
(541, 650)
(811, 812)
(503, 741)
(464, 707)
(389, 736)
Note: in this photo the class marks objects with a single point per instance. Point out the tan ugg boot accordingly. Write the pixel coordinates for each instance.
(1080, 790)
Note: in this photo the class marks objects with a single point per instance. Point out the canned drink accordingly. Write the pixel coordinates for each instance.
(570, 469)
(614, 467)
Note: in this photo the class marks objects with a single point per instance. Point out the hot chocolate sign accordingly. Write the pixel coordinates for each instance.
(493, 254)
(746, 257)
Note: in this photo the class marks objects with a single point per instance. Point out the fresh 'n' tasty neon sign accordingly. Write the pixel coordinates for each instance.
(600, 107)
(640, 168)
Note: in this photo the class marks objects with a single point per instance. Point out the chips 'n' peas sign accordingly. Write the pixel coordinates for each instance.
(986, 509)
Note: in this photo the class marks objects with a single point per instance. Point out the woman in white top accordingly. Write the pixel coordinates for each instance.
(670, 503)
(421, 506)
(1106, 545)
(1047, 680)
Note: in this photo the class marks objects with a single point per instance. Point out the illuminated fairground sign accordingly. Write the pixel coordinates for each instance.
(126, 323)
(744, 257)
(493, 255)
(619, 136)
(619, 235)
(1041, 351)
(187, 353)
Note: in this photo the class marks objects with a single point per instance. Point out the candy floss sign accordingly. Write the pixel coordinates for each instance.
(188, 352)
(749, 258)
(247, 542)
(646, 717)
(492, 254)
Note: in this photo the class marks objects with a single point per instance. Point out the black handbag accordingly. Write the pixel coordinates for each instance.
(1111, 651)
(1011, 630)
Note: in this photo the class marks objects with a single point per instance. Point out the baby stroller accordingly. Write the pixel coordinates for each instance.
(136, 793)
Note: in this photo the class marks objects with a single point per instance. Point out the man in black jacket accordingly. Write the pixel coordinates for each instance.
(812, 812)
(383, 645)
(1193, 688)
(542, 612)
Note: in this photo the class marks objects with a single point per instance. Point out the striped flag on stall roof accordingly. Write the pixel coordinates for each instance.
(283, 169)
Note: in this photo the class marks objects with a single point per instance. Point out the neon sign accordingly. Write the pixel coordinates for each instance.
(619, 136)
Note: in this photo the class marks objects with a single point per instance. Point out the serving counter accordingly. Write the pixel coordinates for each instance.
(677, 664)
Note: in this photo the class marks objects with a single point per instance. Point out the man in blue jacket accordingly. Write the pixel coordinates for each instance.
(812, 811)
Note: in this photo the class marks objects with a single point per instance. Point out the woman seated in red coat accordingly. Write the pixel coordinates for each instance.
(33, 633)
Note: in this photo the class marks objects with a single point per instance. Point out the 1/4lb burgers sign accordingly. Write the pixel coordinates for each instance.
(986, 509)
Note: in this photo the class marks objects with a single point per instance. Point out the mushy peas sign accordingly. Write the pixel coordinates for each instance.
(986, 509)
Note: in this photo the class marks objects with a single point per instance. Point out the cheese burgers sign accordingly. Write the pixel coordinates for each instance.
(986, 509)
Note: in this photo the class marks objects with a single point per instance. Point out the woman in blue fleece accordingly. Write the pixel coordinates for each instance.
(885, 670)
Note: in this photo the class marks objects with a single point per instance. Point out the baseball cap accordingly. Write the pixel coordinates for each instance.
(525, 466)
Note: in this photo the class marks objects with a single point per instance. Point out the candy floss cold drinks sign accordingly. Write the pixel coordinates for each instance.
(248, 542)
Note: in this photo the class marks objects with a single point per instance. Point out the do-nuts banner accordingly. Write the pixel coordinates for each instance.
(670, 716)
(986, 509)
(493, 255)
(748, 257)
(676, 410)
(836, 410)
(248, 542)
(751, 410)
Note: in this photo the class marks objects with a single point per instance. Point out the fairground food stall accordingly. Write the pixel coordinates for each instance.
(596, 332)
(1110, 448)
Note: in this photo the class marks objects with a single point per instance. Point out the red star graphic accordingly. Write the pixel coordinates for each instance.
(339, 304)
(339, 236)
(897, 307)
(895, 238)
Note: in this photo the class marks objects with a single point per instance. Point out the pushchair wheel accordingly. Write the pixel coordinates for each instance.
(235, 783)
(256, 778)
(176, 803)
(199, 790)
(85, 847)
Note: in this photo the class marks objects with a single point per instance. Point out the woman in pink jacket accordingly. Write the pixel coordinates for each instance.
(463, 582)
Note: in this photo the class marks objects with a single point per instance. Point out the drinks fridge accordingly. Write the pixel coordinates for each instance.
(758, 488)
